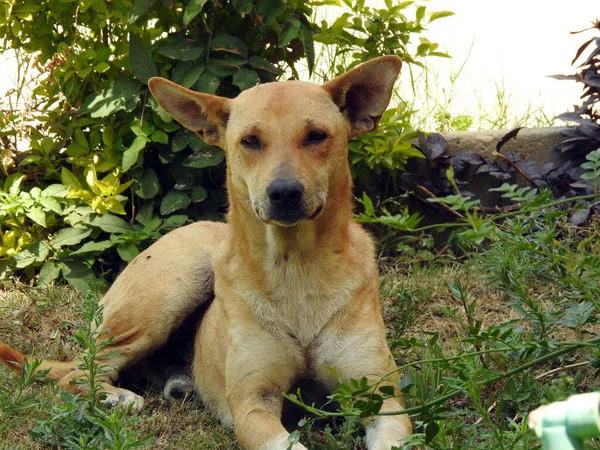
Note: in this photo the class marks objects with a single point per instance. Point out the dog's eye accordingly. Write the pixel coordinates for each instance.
(252, 142)
(314, 137)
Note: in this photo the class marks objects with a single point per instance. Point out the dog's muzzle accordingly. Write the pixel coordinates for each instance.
(285, 201)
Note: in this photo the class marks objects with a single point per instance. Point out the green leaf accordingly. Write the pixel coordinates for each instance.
(117, 95)
(388, 390)
(145, 212)
(128, 251)
(245, 79)
(431, 431)
(76, 150)
(270, 10)
(368, 204)
(131, 155)
(139, 8)
(40, 250)
(439, 15)
(223, 68)
(38, 215)
(35, 192)
(173, 201)
(68, 179)
(401, 5)
(208, 83)
(329, 38)
(450, 174)
(440, 54)
(160, 136)
(70, 236)
(13, 183)
(420, 13)
(588, 165)
(198, 194)
(111, 224)
(308, 43)
(174, 221)
(208, 157)
(180, 142)
(108, 135)
(593, 156)
(79, 276)
(223, 42)
(290, 31)
(341, 22)
(192, 10)
(260, 63)
(51, 204)
(146, 184)
(181, 48)
(49, 272)
(140, 59)
(56, 190)
(456, 290)
(242, 6)
(196, 143)
(588, 176)
(192, 75)
(102, 67)
(81, 139)
(24, 259)
(93, 247)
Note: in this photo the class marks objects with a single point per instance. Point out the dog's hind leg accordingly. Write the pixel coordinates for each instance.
(148, 301)
(156, 292)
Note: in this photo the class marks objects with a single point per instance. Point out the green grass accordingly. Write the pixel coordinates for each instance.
(39, 322)
(483, 334)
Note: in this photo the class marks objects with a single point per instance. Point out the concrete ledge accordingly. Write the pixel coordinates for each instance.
(531, 143)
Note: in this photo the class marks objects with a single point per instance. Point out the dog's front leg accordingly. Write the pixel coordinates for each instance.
(385, 432)
(259, 369)
(363, 352)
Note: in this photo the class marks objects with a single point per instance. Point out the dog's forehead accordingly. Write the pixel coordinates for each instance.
(297, 101)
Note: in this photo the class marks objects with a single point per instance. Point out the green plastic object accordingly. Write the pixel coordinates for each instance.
(566, 425)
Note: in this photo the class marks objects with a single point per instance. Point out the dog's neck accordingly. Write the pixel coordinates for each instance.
(317, 238)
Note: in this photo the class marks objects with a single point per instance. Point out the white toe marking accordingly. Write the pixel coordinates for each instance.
(125, 399)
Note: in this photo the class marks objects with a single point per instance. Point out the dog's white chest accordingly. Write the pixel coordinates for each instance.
(303, 297)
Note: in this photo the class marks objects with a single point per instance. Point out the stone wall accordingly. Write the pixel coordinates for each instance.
(531, 143)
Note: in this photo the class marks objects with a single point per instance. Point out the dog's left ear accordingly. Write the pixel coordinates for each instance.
(205, 114)
(363, 93)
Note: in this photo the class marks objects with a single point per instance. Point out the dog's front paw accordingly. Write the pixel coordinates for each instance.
(126, 400)
(387, 432)
(281, 442)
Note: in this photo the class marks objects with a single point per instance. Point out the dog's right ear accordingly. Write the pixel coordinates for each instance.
(363, 93)
(204, 114)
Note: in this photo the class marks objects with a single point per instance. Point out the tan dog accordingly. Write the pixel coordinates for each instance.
(296, 288)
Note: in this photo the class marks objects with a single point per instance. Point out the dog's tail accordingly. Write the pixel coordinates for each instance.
(14, 360)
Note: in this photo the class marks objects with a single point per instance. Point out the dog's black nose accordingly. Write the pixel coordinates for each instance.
(285, 192)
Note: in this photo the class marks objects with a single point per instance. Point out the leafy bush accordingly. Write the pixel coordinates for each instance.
(387, 147)
(469, 191)
(106, 170)
(360, 32)
(100, 134)
(586, 136)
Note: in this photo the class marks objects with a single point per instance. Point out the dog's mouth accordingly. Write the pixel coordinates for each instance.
(317, 212)
(288, 218)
